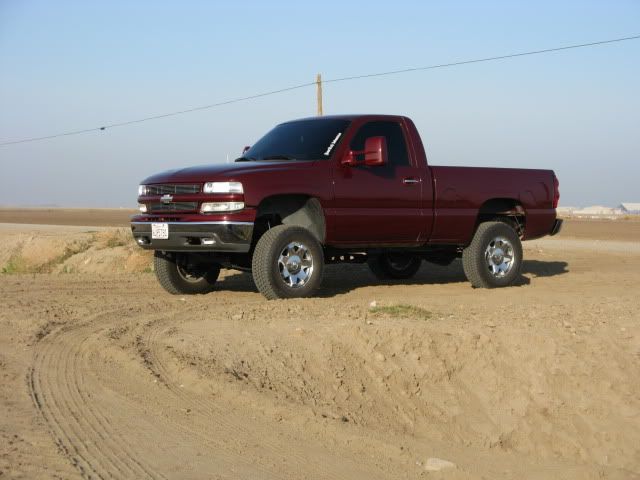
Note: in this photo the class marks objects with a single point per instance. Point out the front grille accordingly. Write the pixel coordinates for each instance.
(173, 189)
(173, 207)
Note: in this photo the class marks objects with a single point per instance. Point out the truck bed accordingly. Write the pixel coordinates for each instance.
(460, 192)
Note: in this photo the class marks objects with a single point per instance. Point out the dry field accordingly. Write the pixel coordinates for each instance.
(106, 376)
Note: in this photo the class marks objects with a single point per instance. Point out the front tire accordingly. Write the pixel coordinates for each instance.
(179, 276)
(394, 266)
(287, 262)
(494, 257)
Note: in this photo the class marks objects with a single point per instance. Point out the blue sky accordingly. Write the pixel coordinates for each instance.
(70, 65)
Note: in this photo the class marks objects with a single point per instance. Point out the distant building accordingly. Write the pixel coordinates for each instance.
(630, 208)
(566, 210)
(598, 210)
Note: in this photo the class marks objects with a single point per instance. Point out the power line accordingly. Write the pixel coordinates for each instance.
(487, 59)
(163, 115)
(308, 84)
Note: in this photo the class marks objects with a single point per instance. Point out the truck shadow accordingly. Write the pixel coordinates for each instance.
(539, 268)
(340, 279)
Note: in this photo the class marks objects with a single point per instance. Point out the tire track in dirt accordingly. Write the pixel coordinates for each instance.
(207, 413)
(229, 452)
(73, 369)
(65, 373)
(59, 387)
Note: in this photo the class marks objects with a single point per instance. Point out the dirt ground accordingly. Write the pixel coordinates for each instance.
(104, 375)
(106, 217)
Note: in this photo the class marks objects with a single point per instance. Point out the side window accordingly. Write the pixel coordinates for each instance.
(396, 145)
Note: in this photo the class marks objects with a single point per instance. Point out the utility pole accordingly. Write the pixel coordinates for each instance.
(319, 89)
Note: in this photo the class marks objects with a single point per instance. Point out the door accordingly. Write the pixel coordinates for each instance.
(378, 204)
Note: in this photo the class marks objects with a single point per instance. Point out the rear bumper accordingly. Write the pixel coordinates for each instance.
(557, 226)
(222, 236)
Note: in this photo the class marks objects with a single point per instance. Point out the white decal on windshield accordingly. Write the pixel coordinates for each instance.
(333, 144)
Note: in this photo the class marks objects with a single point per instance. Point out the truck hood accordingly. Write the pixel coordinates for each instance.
(226, 171)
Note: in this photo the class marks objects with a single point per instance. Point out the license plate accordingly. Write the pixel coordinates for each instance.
(160, 231)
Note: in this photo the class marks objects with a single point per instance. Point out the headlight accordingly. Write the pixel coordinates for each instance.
(142, 207)
(142, 190)
(217, 207)
(223, 187)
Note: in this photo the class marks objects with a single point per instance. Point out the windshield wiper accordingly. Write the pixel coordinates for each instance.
(278, 157)
(245, 159)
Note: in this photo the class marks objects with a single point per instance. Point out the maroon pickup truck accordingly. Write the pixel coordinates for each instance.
(349, 188)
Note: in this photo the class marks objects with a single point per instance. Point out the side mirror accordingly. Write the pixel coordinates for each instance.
(244, 150)
(375, 153)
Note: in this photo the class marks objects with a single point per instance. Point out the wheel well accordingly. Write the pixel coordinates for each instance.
(507, 209)
(290, 209)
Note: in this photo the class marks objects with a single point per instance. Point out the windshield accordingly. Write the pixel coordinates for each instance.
(301, 140)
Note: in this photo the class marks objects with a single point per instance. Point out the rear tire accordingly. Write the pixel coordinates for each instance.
(180, 277)
(395, 266)
(287, 262)
(494, 257)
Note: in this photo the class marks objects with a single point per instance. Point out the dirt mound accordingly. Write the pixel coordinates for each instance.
(48, 250)
(476, 383)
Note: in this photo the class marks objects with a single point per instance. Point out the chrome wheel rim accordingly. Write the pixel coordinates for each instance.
(295, 264)
(499, 257)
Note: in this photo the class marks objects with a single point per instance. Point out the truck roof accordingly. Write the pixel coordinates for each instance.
(351, 117)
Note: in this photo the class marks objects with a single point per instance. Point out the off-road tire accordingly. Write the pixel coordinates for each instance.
(474, 261)
(172, 279)
(265, 264)
(384, 268)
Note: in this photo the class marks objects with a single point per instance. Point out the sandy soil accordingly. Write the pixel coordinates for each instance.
(109, 217)
(106, 376)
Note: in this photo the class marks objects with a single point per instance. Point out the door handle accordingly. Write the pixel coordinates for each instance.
(410, 181)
